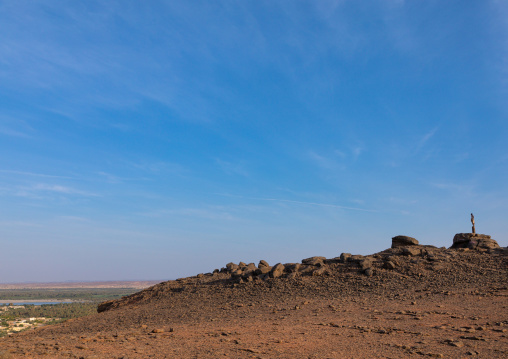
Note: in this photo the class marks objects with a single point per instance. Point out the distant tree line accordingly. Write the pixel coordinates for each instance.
(89, 294)
(58, 311)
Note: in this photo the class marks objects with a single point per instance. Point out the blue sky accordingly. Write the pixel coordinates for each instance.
(154, 140)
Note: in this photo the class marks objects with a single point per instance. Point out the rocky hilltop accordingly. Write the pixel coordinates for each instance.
(408, 300)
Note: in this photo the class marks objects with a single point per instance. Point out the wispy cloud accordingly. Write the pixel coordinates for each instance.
(214, 213)
(37, 191)
(33, 174)
(328, 163)
(14, 133)
(157, 167)
(316, 204)
(462, 189)
(12, 126)
(337, 159)
(423, 141)
(306, 203)
(231, 168)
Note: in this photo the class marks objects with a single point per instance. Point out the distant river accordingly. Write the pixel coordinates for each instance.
(35, 302)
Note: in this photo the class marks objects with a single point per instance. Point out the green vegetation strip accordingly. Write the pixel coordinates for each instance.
(60, 311)
(87, 294)
(86, 300)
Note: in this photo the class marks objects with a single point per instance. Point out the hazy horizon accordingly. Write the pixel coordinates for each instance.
(165, 139)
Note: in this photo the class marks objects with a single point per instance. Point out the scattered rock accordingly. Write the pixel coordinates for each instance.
(263, 263)
(319, 271)
(355, 258)
(411, 251)
(366, 263)
(231, 267)
(389, 265)
(293, 267)
(277, 270)
(263, 270)
(403, 241)
(314, 261)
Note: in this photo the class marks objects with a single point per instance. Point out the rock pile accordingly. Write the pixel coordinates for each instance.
(242, 273)
(402, 246)
(406, 259)
(474, 241)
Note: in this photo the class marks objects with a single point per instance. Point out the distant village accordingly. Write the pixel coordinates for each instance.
(8, 327)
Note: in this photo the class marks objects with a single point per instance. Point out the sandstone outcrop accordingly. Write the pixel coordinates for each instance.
(402, 241)
(474, 241)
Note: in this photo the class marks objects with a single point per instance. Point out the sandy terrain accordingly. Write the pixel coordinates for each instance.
(441, 303)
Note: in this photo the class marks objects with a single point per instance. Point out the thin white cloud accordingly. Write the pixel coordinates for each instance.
(325, 162)
(319, 204)
(42, 187)
(316, 204)
(463, 189)
(215, 213)
(33, 174)
(14, 133)
(426, 138)
(357, 151)
(232, 168)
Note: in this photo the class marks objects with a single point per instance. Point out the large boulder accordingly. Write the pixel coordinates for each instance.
(263, 263)
(314, 261)
(230, 267)
(473, 241)
(263, 270)
(403, 241)
(277, 270)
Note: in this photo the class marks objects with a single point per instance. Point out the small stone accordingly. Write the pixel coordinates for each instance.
(263, 263)
(344, 257)
(158, 330)
(366, 263)
(230, 267)
(293, 275)
(411, 251)
(320, 271)
(389, 265)
(456, 344)
(263, 270)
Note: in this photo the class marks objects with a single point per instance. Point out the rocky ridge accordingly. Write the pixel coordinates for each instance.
(406, 255)
(408, 300)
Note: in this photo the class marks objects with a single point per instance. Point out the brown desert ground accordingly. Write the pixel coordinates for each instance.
(411, 301)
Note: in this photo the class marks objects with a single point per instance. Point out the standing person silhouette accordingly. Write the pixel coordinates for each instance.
(472, 221)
